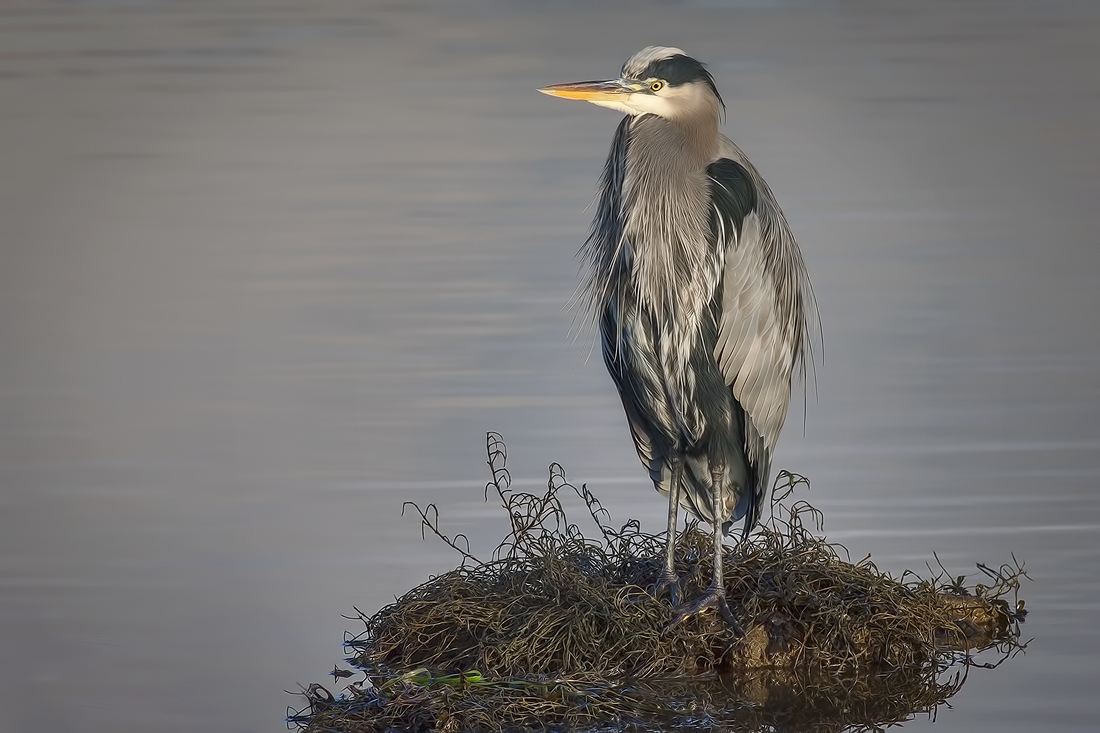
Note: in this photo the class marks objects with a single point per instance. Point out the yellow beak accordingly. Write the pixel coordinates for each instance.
(593, 91)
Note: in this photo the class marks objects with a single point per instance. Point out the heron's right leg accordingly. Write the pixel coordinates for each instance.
(715, 596)
(668, 580)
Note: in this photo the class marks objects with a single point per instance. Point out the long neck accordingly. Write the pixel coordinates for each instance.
(699, 128)
(651, 232)
(666, 215)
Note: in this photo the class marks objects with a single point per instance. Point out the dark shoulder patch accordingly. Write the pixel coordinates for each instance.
(733, 194)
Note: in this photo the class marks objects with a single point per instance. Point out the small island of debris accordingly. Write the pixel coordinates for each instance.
(557, 631)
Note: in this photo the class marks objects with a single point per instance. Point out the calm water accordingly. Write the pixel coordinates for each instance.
(268, 270)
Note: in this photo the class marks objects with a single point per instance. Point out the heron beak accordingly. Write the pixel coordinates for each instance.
(593, 91)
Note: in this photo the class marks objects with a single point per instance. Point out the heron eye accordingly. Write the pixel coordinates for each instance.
(657, 86)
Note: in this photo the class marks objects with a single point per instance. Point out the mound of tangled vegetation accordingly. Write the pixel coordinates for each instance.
(557, 631)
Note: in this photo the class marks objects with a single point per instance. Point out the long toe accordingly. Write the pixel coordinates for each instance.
(714, 598)
(667, 583)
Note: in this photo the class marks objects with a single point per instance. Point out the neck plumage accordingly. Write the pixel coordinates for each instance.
(651, 232)
(666, 211)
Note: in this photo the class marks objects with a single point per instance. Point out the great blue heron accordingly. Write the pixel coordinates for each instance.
(704, 305)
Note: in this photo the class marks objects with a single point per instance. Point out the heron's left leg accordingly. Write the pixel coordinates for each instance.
(715, 595)
(668, 580)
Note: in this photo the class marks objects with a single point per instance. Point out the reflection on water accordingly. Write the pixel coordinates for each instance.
(270, 269)
(757, 700)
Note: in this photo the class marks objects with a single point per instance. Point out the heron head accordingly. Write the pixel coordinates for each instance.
(657, 80)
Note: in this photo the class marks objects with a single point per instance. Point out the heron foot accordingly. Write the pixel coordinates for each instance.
(714, 598)
(669, 583)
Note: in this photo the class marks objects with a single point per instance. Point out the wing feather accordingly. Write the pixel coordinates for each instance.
(757, 358)
(761, 320)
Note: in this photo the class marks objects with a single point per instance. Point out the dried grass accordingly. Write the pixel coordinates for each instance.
(557, 631)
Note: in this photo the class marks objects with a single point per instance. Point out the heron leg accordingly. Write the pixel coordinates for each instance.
(668, 580)
(715, 596)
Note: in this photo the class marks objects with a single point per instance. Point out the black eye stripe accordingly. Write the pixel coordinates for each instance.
(679, 69)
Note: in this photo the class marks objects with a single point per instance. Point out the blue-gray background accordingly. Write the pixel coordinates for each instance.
(269, 269)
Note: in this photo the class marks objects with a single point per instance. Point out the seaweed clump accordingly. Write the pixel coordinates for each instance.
(557, 630)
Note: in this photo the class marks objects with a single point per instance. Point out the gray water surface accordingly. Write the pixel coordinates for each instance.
(268, 270)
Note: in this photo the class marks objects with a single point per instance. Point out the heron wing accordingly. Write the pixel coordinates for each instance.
(756, 346)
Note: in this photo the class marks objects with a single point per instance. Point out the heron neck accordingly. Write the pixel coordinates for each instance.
(700, 138)
(666, 216)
